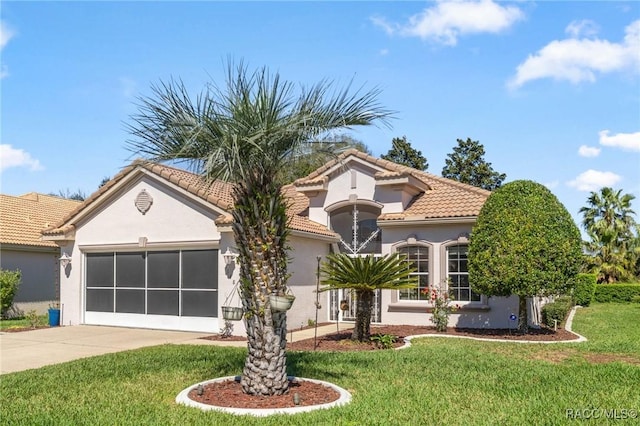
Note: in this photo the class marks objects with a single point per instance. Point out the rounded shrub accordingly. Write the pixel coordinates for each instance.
(524, 243)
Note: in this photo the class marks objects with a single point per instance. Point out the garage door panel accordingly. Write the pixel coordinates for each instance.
(163, 302)
(130, 301)
(130, 269)
(100, 300)
(163, 269)
(200, 303)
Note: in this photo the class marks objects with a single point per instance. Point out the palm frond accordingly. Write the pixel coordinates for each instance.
(367, 272)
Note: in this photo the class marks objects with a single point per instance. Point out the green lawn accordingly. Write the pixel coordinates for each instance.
(39, 321)
(437, 381)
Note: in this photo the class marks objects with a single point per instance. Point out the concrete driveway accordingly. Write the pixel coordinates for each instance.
(47, 346)
(37, 348)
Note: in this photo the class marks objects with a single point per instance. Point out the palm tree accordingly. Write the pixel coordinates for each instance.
(609, 223)
(244, 133)
(365, 274)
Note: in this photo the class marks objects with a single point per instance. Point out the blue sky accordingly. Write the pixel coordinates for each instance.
(551, 89)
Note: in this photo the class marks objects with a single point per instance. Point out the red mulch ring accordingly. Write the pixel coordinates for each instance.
(229, 394)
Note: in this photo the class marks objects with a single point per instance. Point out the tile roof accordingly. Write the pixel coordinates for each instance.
(445, 198)
(23, 218)
(218, 193)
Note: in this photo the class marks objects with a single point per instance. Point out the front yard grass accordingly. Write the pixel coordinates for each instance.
(436, 381)
(25, 322)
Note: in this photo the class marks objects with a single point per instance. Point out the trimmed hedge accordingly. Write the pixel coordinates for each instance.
(585, 289)
(617, 293)
(556, 310)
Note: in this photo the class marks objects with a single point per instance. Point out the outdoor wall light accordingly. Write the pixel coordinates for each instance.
(65, 259)
(229, 257)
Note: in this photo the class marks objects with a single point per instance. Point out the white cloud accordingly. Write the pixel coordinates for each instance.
(592, 180)
(578, 60)
(383, 52)
(6, 34)
(588, 151)
(552, 184)
(627, 141)
(12, 157)
(584, 28)
(448, 20)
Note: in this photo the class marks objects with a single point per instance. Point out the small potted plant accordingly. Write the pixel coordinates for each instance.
(282, 301)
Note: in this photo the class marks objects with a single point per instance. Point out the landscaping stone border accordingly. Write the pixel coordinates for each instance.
(183, 398)
(568, 325)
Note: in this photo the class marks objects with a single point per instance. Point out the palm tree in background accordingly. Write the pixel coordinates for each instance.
(365, 274)
(245, 133)
(613, 246)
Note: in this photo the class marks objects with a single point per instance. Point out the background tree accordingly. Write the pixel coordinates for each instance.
(613, 249)
(365, 274)
(315, 154)
(244, 133)
(78, 195)
(466, 164)
(104, 181)
(402, 152)
(524, 243)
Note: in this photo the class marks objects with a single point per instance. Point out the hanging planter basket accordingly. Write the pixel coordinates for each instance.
(281, 303)
(232, 313)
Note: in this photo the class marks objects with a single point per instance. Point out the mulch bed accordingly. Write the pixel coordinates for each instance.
(341, 341)
(229, 394)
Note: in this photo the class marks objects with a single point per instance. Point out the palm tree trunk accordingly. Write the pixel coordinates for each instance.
(260, 229)
(364, 302)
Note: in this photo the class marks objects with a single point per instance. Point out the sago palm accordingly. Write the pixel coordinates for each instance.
(244, 133)
(365, 274)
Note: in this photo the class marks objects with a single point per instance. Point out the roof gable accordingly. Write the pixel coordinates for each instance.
(435, 197)
(217, 195)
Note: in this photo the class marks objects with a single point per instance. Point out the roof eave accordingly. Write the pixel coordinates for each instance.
(387, 223)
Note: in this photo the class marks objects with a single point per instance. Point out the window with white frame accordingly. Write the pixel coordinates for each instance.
(417, 256)
(458, 274)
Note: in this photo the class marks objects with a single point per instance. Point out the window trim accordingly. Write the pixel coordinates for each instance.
(395, 296)
(444, 270)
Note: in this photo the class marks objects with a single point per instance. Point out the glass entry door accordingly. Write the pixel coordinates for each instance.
(346, 298)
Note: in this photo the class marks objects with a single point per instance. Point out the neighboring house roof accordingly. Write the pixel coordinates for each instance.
(23, 218)
(218, 193)
(444, 198)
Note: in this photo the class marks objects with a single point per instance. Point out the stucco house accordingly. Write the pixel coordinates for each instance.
(22, 220)
(148, 247)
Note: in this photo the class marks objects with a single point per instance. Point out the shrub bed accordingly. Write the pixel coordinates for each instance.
(617, 293)
(556, 310)
(585, 289)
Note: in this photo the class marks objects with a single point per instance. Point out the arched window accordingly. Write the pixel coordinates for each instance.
(417, 256)
(357, 226)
